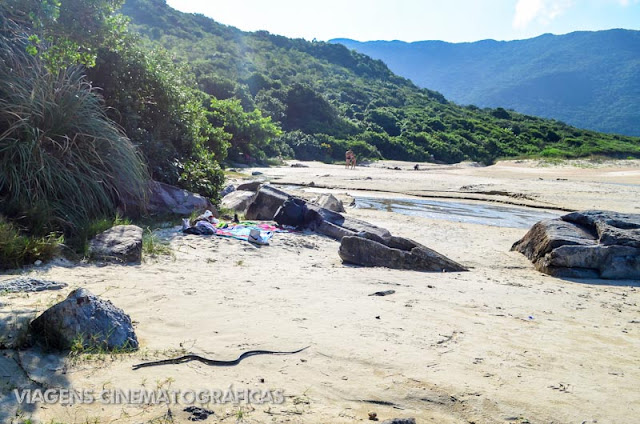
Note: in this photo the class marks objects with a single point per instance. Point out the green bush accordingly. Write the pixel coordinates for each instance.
(62, 161)
(203, 176)
(17, 250)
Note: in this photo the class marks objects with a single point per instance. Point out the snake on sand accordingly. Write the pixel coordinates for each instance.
(213, 362)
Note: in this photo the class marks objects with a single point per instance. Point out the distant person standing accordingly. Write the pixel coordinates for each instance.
(353, 160)
(348, 158)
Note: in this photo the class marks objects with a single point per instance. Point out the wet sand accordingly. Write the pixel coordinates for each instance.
(501, 343)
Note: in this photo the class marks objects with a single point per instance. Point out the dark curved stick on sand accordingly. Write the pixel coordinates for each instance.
(213, 362)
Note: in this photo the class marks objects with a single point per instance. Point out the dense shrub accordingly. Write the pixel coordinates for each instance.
(62, 161)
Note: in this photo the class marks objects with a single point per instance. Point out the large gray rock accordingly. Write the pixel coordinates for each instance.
(329, 201)
(238, 200)
(585, 244)
(85, 318)
(317, 215)
(266, 203)
(121, 244)
(370, 250)
(228, 189)
(165, 199)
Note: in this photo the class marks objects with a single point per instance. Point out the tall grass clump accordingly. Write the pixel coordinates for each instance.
(17, 249)
(62, 161)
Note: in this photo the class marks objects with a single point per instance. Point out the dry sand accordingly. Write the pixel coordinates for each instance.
(501, 343)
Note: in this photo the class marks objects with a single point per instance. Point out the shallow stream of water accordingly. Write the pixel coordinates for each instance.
(474, 213)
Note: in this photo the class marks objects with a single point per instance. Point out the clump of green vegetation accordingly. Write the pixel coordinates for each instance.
(62, 161)
(153, 245)
(17, 249)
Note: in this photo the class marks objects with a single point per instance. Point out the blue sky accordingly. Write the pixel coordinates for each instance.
(413, 20)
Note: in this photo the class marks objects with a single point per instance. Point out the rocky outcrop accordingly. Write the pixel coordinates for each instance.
(83, 318)
(266, 203)
(329, 201)
(369, 250)
(318, 219)
(238, 200)
(166, 199)
(586, 244)
(362, 243)
(327, 222)
(120, 244)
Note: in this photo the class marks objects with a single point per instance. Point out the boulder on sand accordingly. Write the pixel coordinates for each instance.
(266, 203)
(586, 244)
(329, 201)
(395, 252)
(167, 199)
(85, 318)
(238, 200)
(121, 244)
(164, 199)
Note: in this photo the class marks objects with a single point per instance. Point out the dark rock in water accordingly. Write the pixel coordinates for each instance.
(238, 201)
(370, 250)
(256, 173)
(250, 186)
(266, 203)
(24, 284)
(586, 244)
(299, 165)
(400, 421)
(121, 244)
(85, 318)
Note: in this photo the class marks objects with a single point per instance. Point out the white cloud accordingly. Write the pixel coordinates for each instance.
(542, 11)
(625, 3)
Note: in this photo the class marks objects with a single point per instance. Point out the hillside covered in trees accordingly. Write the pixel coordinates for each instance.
(588, 79)
(326, 98)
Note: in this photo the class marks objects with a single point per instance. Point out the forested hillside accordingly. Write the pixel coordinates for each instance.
(588, 79)
(327, 98)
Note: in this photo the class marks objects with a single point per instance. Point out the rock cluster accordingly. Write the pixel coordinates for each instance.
(361, 242)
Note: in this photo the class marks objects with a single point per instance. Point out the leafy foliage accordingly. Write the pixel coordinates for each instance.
(62, 161)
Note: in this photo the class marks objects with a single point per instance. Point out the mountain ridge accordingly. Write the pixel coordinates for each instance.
(590, 79)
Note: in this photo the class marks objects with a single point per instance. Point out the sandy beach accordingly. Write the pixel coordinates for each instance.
(501, 343)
